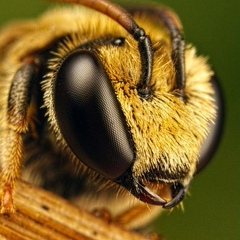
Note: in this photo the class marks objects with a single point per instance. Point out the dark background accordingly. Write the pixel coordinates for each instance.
(212, 211)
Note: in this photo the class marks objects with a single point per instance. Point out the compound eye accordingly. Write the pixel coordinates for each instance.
(89, 115)
(210, 145)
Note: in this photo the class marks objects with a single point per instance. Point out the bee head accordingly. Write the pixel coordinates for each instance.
(125, 111)
(148, 146)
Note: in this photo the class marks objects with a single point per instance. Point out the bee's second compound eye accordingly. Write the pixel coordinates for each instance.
(210, 145)
(89, 115)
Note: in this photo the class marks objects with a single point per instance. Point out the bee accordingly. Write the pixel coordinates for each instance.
(105, 107)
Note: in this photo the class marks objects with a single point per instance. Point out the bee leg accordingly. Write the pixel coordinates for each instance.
(17, 122)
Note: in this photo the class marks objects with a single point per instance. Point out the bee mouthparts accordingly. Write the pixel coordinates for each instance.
(146, 195)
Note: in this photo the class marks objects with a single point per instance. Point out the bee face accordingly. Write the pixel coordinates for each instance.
(129, 139)
(126, 104)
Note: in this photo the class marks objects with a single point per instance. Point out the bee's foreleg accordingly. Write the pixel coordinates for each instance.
(15, 126)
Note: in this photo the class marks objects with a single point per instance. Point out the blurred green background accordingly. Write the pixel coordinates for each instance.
(213, 209)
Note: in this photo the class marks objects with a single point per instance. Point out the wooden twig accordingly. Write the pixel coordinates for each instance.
(42, 215)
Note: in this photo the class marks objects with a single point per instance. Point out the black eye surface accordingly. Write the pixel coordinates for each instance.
(210, 145)
(90, 117)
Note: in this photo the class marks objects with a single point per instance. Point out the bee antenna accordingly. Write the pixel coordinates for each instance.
(167, 18)
(145, 49)
(122, 17)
